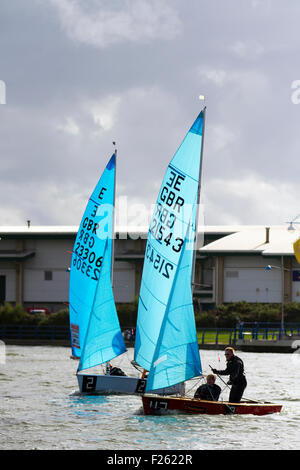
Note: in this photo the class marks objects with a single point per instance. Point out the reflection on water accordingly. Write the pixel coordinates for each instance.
(41, 408)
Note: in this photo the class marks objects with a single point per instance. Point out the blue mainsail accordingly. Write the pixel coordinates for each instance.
(94, 237)
(104, 339)
(169, 250)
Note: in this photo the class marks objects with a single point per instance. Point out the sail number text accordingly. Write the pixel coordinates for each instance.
(85, 259)
(159, 263)
(87, 262)
(168, 208)
(158, 231)
(169, 197)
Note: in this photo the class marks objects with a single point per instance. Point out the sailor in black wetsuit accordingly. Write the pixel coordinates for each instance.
(110, 370)
(237, 379)
(209, 391)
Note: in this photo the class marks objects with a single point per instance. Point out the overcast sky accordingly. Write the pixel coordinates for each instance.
(80, 74)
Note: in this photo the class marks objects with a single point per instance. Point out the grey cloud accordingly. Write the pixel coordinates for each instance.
(69, 97)
(104, 23)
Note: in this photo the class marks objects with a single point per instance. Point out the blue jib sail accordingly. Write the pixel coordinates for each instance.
(93, 237)
(104, 339)
(176, 357)
(167, 245)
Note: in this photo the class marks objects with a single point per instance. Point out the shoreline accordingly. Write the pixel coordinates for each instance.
(249, 346)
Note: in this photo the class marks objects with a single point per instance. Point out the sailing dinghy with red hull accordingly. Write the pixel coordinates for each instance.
(166, 338)
(154, 405)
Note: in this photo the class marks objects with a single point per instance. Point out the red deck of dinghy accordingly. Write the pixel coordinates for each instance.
(154, 405)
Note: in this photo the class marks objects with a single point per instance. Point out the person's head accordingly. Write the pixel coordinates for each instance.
(210, 379)
(229, 352)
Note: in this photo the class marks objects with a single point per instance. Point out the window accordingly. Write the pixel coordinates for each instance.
(232, 274)
(48, 275)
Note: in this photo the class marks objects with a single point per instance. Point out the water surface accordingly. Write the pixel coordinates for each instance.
(40, 408)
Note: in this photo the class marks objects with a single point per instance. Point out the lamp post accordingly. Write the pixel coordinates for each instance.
(282, 268)
(282, 296)
(291, 227)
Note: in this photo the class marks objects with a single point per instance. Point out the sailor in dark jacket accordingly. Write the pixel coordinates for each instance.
(209, 391)
(237, 379)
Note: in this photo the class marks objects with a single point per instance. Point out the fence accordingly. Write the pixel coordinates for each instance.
(52, 333)
(267, 330)
(26, 332)
(228, 336)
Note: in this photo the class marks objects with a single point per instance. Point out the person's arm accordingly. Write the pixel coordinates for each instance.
(222, 372)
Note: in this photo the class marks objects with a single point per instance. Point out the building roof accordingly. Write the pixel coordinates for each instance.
(39, 229)
(266, 241)
(231, 239)
(72, 229)
(121, 231)
(16, 255)
(61, 231)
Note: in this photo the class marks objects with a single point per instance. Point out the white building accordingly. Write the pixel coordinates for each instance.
(34, 264)
(240, 259)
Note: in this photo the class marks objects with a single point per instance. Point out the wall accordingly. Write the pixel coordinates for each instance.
(54, 255)
(245, 278)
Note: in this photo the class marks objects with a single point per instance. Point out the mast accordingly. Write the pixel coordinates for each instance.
(198, 201)
(113, 223)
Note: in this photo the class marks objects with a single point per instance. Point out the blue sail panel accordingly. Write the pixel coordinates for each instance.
(95, 228)
(176, 357)
(167, 232)
(104, 339)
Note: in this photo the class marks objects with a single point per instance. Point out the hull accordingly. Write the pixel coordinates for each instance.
(118, 385)
(154, 405)
(110, 384)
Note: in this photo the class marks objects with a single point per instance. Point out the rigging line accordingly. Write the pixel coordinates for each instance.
(223, 389)
(196, 383)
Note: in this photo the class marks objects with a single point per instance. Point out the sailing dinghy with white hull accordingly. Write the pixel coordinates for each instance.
(172, 356)
(96, 336)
